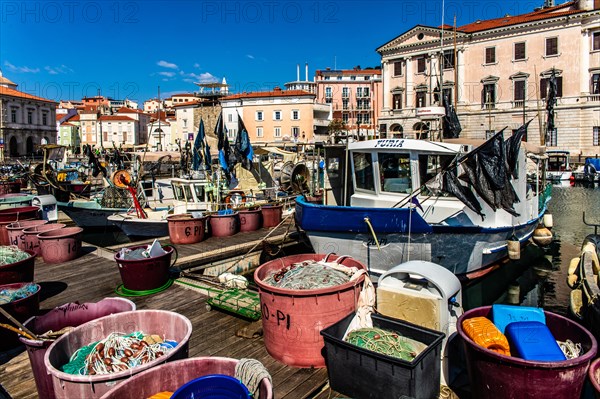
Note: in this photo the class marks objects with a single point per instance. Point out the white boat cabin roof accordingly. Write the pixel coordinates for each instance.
(414, 145)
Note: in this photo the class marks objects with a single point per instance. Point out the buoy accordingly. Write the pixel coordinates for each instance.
(547, 220)
(573, 265)
(514, 248)
(542, 236)
(513, 295)
(572, 280)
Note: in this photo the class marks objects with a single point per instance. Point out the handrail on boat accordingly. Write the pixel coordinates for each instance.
(594, 225)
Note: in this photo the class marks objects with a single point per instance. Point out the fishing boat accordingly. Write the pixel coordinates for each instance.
(405, 200)
(559, 167)
(583, 279)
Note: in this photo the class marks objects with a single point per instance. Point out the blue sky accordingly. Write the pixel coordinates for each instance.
(126, 49)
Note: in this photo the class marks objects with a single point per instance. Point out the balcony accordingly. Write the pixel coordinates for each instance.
(518, 104)
(593, 97)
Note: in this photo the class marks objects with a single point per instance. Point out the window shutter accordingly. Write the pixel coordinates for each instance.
(543, 85)
(559, 86)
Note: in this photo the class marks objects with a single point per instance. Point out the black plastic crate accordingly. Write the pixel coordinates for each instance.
(361, 373)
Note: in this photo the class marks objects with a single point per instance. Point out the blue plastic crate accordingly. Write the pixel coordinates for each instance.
(502, 315)
(532, 340)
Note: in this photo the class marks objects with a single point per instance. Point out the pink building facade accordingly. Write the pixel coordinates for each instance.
(496, 74)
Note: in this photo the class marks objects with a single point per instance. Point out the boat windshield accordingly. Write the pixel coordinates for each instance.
(429, 167)
(199, 192)
(363, 170)
(394, 172)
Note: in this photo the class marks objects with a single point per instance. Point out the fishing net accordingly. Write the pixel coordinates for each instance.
(117, 352)
(9, 295)
(307, 275)
(115, 197)
(386, 342)
(11, 254)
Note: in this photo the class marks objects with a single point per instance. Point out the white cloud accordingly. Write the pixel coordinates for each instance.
(167, 74)
(201, 78)
(250, 56)
(58, 70)
(196, 65)
(166, 64)
(20, 69)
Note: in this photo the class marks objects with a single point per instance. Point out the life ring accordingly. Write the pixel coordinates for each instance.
(231, 198)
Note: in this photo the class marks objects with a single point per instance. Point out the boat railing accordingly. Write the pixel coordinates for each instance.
(594, 225)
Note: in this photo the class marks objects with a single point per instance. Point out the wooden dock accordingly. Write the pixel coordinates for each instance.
(94, 276)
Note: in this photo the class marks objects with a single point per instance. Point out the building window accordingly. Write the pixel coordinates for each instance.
(367, 78)
(13, 115)
(396, 101)
(259, 115)
(352, 77)
(345, 92)
(398, 68)
(345, 102)
(29, 117)
(551, 46)
(489, 134)
(421, 65)
(295, 115)
(544, 86)
(449, 59)
(596, 41)
(490, 55)
(553, 138)
(488, 97)
(345, 118)
(366, 119)
(259, 132)
(519, 92)
(359, 119)
(595, 84)
(326, 78)
(596, 135)
(295, 132)
(230, 118)
(44, 118)
(519, 54)
(328, 100)
(328, 92)
(276, 115)
(420, 99)
(339, 78)
(277, 132)
(359, 92)
(185, 122)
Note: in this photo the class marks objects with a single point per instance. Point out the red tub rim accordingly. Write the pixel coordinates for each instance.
(168, 248)
(184, 217)
(594, 366)
(51, 226)
(91, 379)
(65, 232)
(31, 255)
(297, 293)
(18, 285)
(587, 356)
(18, 210)
(36, 222)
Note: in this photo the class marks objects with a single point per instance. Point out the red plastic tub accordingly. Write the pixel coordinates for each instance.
(170, 325)
(21, 310)
(60, 245)
(271, 215)
(224, 225)
(15, 231)
(497, 376)
(250, 219)
(293, 319)
(70, 314)
(145, 274)
(10, 215)
(169, 377)
(186, 229)
(32, 243)
(21, 271)
(594, 376)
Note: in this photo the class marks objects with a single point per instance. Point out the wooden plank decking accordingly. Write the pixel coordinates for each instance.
(94, 276)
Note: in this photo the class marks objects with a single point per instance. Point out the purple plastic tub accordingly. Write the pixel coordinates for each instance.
(21, 310)
(70, 314)
(496, 376)
(169, 377)
(144, 274)
(21, 271)
(167, 324)
(594, 376)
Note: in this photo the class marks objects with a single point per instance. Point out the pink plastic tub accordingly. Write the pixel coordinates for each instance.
(271, 215)
(60, 245)
(145, 274)
(21, 309)
(32, 243)
(250, 220)
(15, 231)
(171, 376)
(70, 314)
(293, 319)
(186, 229)
(167, 324)
(224, 225)
(21, 271)
(496, 376)
(10, 215)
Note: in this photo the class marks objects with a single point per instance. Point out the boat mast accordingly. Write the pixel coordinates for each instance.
(441, 83)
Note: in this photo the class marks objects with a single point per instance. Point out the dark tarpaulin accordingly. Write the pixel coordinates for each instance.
(512, 146)
(451, 124)
(490, 156)
(198, 155)
(474, 176)
(243, 149)
(223, 147)
(550, 103)
(464, 194)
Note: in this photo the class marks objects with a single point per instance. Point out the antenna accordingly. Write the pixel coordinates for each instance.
(335, 63)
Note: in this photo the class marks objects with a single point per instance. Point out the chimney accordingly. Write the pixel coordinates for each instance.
(548, 3)
(297, 72)
(306, 69)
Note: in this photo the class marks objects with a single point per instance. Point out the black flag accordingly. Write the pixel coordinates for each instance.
(550, 103)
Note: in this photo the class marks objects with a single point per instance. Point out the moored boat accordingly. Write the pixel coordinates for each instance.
(405, 202)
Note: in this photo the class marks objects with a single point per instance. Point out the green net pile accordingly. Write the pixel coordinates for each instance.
(308, 275)
(386, 342)
(11, 254)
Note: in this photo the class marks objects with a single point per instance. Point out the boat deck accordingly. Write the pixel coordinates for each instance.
(94, 276)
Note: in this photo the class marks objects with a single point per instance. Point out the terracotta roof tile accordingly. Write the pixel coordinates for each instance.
(125, 110)
(7, 91)
(116, 118)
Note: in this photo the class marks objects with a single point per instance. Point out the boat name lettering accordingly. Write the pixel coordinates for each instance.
(389, 143)
(279, 316)
(371, 241)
